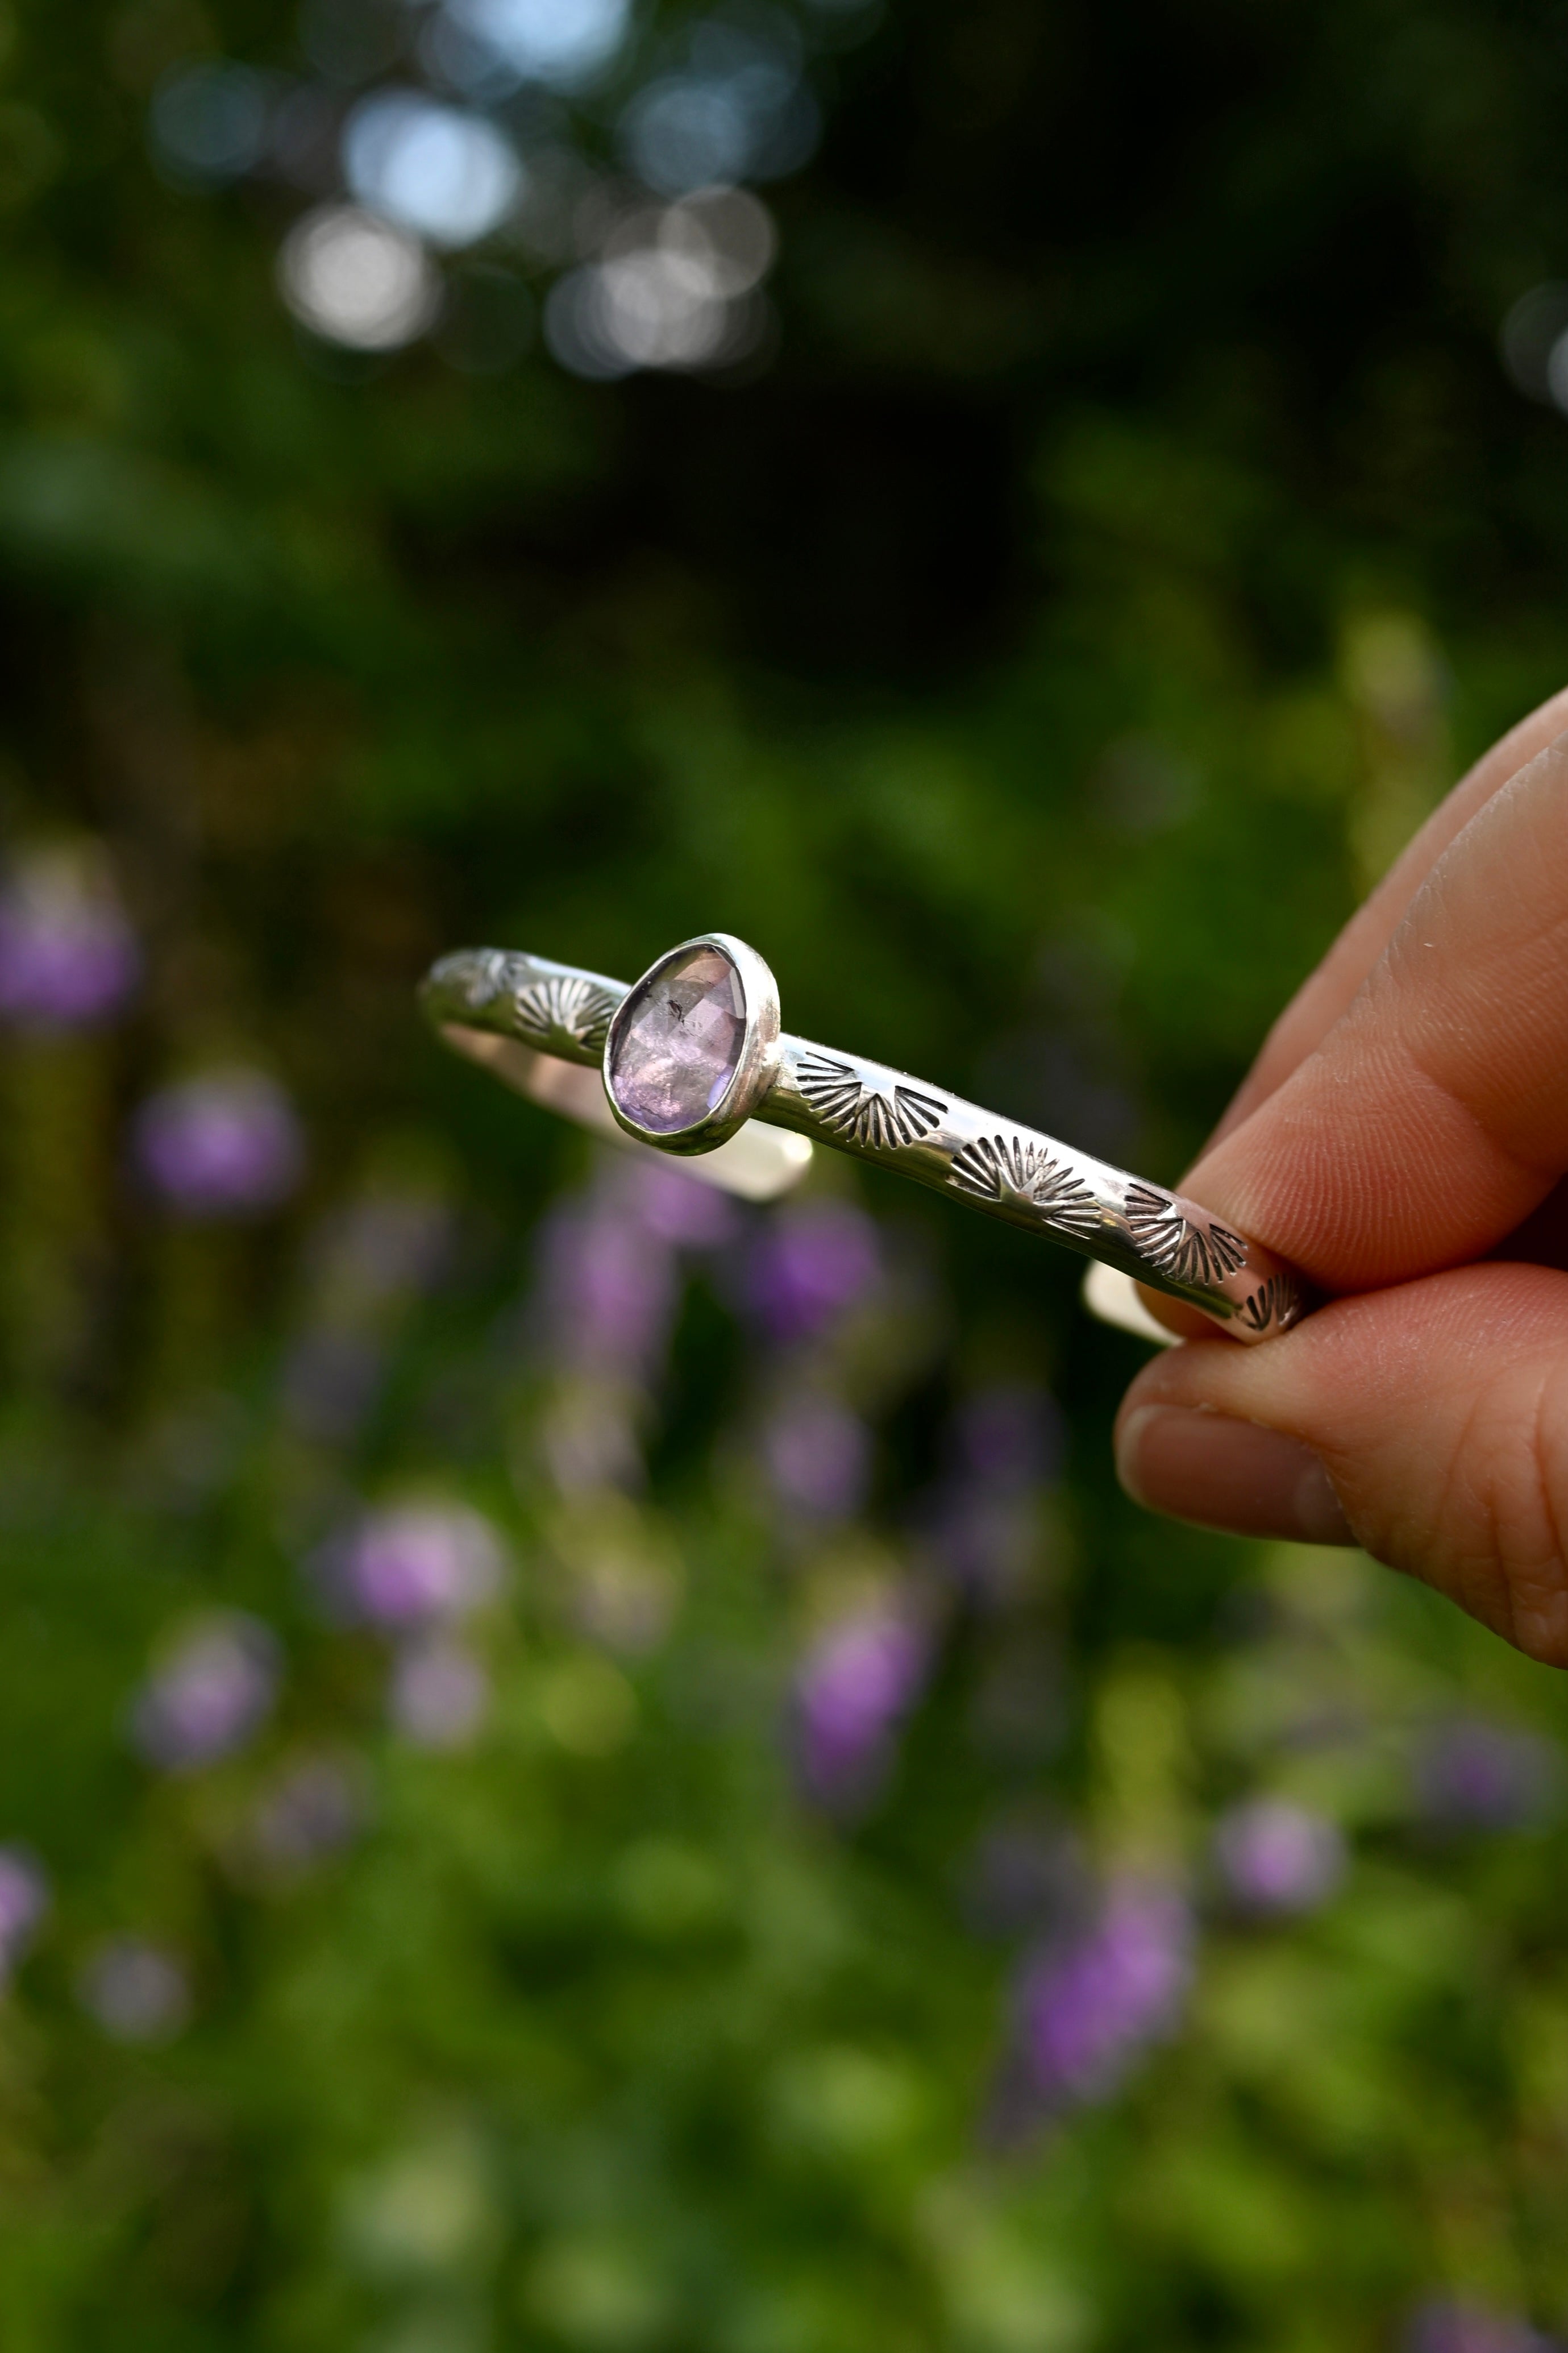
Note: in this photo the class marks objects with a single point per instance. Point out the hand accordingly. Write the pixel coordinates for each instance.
(1402, 1138)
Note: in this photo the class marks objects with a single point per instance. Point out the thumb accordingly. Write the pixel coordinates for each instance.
(1427, 1423)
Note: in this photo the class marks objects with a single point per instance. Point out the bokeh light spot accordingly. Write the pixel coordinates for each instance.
(356, 280)
(1533, 342)
(562, 43)
(675, 288)
(209, 122)
(440, 172)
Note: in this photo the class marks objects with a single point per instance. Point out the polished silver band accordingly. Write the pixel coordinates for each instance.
(564, 1016)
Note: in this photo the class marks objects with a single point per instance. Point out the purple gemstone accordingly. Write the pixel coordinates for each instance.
(678, 1042)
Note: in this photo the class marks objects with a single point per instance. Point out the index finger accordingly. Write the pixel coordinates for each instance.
(1328, 992)
(1432, 1116)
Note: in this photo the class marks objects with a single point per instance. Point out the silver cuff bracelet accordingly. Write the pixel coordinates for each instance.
(694, 1052)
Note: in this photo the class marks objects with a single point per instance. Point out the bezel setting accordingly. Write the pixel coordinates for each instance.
(756, 1066)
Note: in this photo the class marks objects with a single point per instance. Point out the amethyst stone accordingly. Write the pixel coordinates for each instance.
(678, 1041)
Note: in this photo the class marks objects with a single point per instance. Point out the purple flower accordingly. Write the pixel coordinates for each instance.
(137, 1991)
(1020, 1876)
(1008, 1438)
(226, 1144)
(609, 1288)
(852, 1690)
(987, 1543)
(414, 1563)
(313, 1810)
(818, 1456)
(439, 1693)
(1442, 2327)
(381, 1247)
(674, 1206)
(983, 1522)
(24, 1900)
(1487, 1777)
(811, 1264)
(368, 1259)
(209, 1695)
(1275, 1856)
(68, 956)
(330, 1382)
(1090, 2007)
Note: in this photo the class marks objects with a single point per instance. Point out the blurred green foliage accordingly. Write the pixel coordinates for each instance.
(1132, 533)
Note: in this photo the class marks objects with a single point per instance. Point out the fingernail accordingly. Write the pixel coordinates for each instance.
(1228, 1474)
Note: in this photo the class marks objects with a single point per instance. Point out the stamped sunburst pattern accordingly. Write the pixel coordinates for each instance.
(1172, 1242)
(1018, 1174)
(1276, 1303)
(565, 1014)
(875, 1119)
(477, 976)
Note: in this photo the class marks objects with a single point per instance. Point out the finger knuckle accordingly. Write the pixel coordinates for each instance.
(1526, 1500)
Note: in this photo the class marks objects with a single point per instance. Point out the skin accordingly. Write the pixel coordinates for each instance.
(1403, 1137)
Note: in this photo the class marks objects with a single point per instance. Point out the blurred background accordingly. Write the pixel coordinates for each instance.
(582, 1767)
